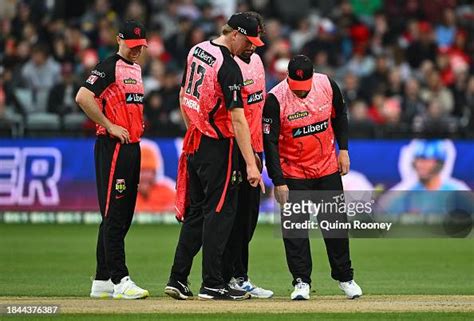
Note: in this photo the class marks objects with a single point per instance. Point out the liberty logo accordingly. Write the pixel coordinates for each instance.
(255, 97)
(134, 98)
(137, 31)
(204, 56)
(311, 129)
(299, 73)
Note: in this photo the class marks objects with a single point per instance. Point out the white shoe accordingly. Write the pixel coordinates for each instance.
(351, 289)
(301, 291)
(255, 292)
(102, 289)
(127, 289)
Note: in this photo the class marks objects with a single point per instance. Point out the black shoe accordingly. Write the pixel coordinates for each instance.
(178, 290)
(222, 294)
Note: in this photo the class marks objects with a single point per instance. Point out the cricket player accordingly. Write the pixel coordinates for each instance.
(112, 97)
(208, 172)
(236, 256)
(303, 116)
(431, 169)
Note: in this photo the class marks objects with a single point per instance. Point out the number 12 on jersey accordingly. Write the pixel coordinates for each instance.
(197, 83)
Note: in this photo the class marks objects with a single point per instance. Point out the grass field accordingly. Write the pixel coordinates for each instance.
(59, 261)
(259, 317)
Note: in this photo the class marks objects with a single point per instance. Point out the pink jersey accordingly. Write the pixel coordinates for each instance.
(307, 143)
(203, 100)
(118, 88)
(253, 94)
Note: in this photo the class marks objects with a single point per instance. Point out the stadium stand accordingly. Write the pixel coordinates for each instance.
(406, 67)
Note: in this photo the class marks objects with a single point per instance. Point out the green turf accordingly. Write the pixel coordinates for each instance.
(59, 260)
(257, 317)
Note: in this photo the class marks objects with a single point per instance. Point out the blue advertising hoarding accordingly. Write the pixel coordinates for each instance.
(59, 175)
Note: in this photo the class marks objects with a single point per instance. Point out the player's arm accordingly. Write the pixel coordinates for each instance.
(94, 87)
(271, 134)
(181, 94)
(340, 125)
(230, 79)
(183, 114)
(85, 99)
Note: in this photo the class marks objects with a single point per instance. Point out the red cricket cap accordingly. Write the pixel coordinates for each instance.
(300, 73)
(133, 33)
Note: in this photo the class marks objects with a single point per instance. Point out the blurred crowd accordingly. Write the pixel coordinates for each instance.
(405, 66)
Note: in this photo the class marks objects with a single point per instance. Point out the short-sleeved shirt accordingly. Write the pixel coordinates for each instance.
(118, 88)
(253, 95)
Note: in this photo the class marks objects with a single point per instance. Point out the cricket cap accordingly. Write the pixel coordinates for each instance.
(246, 25)
(133, 33)
(300, 73)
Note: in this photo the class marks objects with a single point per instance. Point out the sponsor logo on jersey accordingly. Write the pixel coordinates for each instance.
(255, 97)
(267, 120)
(266, 129)
(204, 56)
(310, 129)
(298, 115)
(234, 87)
(132, 98)
(324, 107)
(101, 74)
(130, 81)
(248, 82)
(92, 79)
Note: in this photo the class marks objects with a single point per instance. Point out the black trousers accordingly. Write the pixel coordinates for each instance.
(298, 252)
(117, 176)
(236, 256)
(203, 225)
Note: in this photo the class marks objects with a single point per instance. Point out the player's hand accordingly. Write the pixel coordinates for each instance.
(119, 132)
(281, 194)
(258, 161)
(254, 177)
(343, 162)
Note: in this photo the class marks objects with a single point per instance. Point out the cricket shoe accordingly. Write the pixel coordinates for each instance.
(178, 290)
(102, 289)
(351, 289)
(127, 289)
(226, 293)
(301, 291)
(247, 286)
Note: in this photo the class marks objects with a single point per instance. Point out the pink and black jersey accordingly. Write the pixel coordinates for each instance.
(300, 133)
(118, 88)
(253, 96)
(212, 86)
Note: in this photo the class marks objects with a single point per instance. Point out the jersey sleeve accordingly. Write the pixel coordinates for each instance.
(339, 120)
(271, 134)
(231, 81)
(101, 77)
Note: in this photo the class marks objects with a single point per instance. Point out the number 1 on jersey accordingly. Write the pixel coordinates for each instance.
(201, 71)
